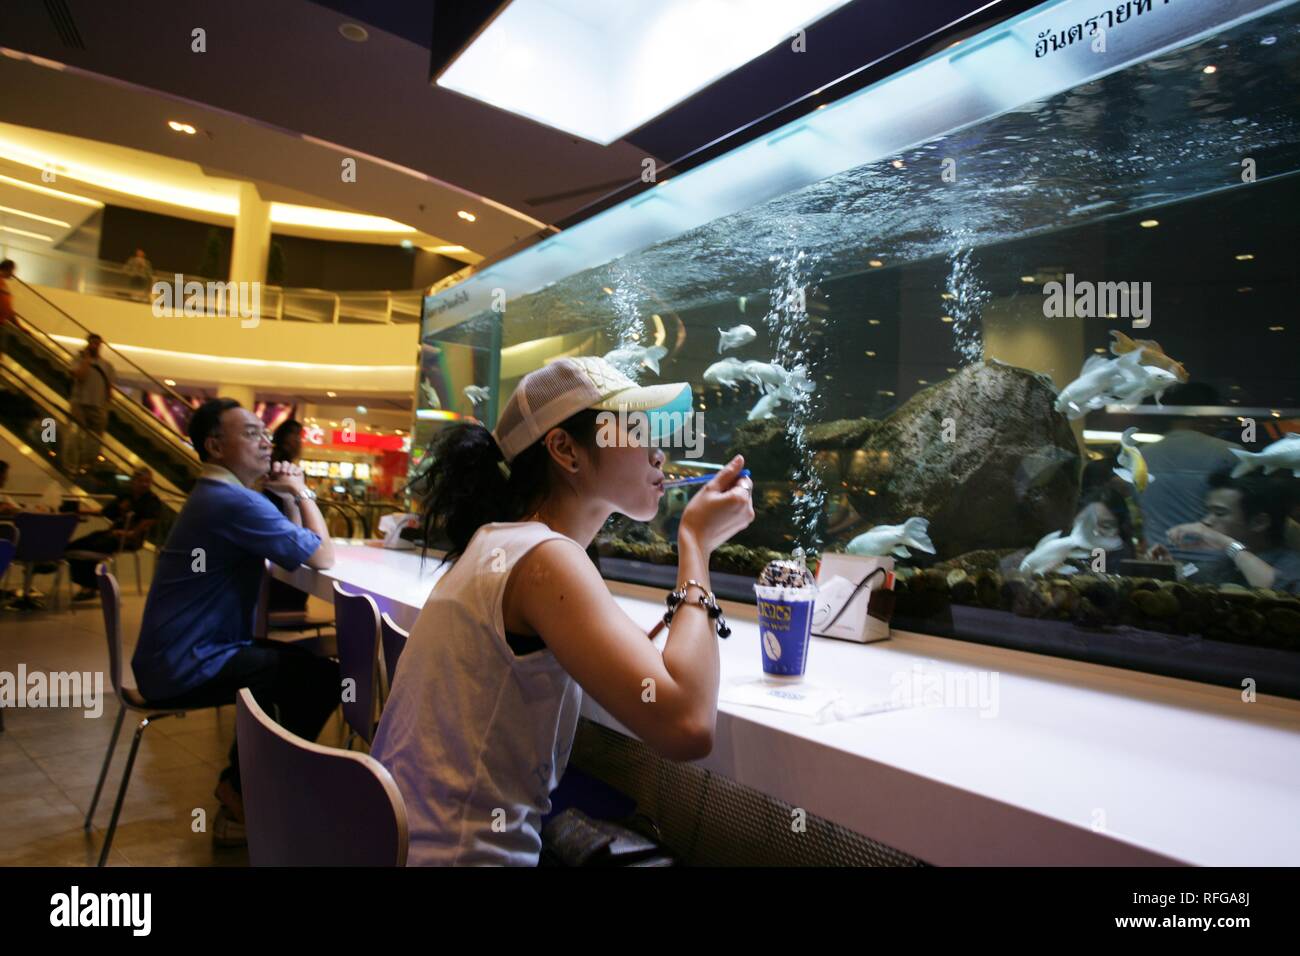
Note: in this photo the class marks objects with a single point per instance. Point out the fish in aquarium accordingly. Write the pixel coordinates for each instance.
(894, 539)
(765, 407)
(629, 358)
(430, 395)
(735, 337)
(1152, 353)
(1282, 454)
(1132, 466)
(728, 373)
(1097, 379)
(477, 394)
(771, 377)
(1052, 551)
(1146, 380)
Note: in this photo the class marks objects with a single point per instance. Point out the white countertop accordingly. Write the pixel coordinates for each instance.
(1079, 764)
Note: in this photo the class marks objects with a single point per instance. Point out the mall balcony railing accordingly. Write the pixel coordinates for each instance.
(65, 270)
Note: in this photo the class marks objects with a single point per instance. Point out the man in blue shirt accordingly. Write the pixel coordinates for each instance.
(196, 643)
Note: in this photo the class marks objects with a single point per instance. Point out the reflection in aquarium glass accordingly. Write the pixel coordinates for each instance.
(1054, 380)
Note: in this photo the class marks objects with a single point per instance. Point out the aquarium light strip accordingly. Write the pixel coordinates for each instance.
(1092, 435)
(996, 71)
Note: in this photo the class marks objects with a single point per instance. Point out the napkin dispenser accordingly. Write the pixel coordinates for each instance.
(855, 598)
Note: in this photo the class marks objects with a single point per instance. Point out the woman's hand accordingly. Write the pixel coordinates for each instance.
(720, 509)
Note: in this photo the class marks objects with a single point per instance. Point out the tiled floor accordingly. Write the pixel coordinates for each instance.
(50, 758)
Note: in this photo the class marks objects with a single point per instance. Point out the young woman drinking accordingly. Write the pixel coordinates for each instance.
(484, 706)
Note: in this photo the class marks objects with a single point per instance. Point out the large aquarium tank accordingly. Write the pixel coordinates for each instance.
(1021, 317)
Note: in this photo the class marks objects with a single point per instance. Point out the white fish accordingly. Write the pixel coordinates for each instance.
(735, 337)
(1132, 466)
(430, 395)
(1052, 550)
(797, 381)
(629, 358)
(1138, 383)
(765, 407)
(886, 539)
(1098, 378)
(477, 394)
(1283, 453)
(728, 373)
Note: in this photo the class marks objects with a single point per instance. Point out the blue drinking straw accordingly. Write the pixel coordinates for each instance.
(699, 479)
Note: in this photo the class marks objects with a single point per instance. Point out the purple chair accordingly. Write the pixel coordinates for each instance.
(128, 698)
(43, 539)
(282, 625)
(393, 642)
(356, 625)
(309, 805)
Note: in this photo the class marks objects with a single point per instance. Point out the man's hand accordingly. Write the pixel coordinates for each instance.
(286, 477)
(1197, 536)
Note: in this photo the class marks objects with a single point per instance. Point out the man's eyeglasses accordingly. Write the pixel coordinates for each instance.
(253, 433)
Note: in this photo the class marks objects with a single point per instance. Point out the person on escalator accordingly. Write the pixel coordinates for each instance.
(8, 320)
(92, 391)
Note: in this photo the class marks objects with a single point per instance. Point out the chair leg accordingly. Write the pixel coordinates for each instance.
(121, 791)
(108, 758)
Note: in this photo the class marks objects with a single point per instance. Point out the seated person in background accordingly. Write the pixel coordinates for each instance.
(1241, 538)
(1180, 465)
(286, 445)
(196, 644)
(132, 515)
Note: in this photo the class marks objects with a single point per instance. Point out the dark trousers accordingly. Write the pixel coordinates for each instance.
(293, 685)
(83, 570)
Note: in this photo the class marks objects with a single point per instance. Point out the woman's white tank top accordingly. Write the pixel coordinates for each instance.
(475, 736)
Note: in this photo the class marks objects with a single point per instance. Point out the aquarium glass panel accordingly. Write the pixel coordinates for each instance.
(1019, 321)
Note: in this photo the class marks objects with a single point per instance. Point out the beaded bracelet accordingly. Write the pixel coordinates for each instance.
(706, 601)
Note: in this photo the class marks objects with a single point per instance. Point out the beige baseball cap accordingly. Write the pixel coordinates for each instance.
(556, 391)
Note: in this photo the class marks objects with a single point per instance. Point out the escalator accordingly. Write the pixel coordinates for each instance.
(35, 380)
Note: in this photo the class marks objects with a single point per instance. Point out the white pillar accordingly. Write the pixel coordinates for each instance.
(252, 242)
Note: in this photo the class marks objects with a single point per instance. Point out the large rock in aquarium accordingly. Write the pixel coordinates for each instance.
(1008, 475)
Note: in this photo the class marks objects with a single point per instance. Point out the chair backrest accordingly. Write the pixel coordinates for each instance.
(43, 537)
(260, 612)
(110, 599)
(310, 805)
(393, 639)
(356, 626)
(9, 538)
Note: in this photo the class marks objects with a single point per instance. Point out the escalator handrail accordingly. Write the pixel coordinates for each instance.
(60, 352)
(161, 387)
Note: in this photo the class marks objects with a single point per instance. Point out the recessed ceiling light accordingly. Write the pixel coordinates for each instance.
(331, 394)
(361, 409)
(169, 382)
(180, 127)
(467, 216)
(1149, 223)
(590, 68)
(354, 32)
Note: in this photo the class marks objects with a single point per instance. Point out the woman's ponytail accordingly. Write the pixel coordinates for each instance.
(464, 486)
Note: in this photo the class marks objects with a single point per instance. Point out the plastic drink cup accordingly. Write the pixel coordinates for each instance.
(785, 618)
